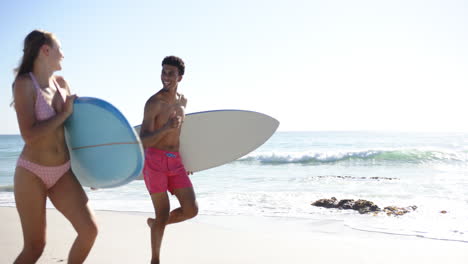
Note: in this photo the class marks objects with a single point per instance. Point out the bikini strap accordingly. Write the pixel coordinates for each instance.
(57, 86)
(36, 84)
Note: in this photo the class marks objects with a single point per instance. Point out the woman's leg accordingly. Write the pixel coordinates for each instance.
(70, 199)
(30, 197)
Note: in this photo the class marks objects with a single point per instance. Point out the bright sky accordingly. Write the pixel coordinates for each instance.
(313, 65)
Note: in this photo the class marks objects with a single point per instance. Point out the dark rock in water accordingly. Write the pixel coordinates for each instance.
(397, 211)
(327, 203)
(346, 204)
(364, 206)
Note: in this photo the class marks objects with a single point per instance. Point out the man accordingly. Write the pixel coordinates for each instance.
(164, 171)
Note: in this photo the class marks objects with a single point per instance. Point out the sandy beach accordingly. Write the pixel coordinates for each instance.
(124, 238)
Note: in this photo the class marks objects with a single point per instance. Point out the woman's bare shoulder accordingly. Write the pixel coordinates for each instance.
(23, 82)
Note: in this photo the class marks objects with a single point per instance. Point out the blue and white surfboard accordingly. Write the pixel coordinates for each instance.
(105, 150)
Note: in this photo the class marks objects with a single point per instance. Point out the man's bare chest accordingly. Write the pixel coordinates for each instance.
(169, 110)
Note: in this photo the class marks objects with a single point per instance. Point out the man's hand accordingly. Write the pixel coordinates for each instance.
(174, 121)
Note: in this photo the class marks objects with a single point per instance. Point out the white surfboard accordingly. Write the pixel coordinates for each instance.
(213, 138)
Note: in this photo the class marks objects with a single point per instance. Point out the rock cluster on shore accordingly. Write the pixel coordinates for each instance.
(362, 206)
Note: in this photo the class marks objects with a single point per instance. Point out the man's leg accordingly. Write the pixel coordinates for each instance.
(161, 207)
(188, 205)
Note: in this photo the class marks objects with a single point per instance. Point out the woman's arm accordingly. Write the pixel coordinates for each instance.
(32, 129)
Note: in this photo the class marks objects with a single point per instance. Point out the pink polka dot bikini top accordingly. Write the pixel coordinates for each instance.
(42, 108)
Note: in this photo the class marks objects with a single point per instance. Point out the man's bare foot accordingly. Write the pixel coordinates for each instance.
(150, 222)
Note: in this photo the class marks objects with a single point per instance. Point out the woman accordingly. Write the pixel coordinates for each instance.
(43, 102)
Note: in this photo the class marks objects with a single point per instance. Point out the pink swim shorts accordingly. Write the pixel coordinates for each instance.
(164, 171)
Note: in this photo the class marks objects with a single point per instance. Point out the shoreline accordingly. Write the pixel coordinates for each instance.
(282, 224)
(124, 238)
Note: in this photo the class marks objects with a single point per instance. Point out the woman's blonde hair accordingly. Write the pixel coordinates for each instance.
(32, 44)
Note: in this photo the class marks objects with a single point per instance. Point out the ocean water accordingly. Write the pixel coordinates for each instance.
(283, 177)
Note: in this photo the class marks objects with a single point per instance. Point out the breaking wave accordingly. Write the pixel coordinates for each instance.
(414, 156)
